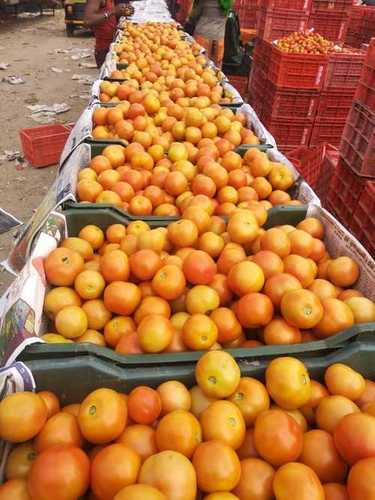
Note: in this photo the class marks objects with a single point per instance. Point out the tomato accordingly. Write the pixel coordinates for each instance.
(256, 480)
(277, 436)
(102, 416)
(63, 470)
(335, 491)
(368, 395)
(155, 333)
(247, 448)
(217, 374)
(199, 332)
(254, 310)
(113, 468)
(201, 299)
(342, 380)
(22, 416)
(62, 428)
(301, 308)
(199, 268)
(222, 420)
(343, 271)
(15, 489)
(19, 461)
(140, 438)
(319, 453)
(179, 431)
(276, 286)
(174, 396)
(331, 409)
(217, 467)
(171, 473)
(245, 277)
(278, 331)
(144, 264)
(144, 405)
(51, 401)
(139, 492)
(228, 326)
(296, 481)
(363, 309)
(221, 495)
(169, 282)
(337, 316)
(361, 480)
(199, 401)
(251, 397)
(288, 382)
(355, 437)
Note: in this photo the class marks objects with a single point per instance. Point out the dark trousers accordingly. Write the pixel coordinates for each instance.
(100, 56)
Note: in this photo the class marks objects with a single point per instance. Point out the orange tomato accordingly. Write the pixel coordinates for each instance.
(51, 401)
(361, 480)
(295, 481)
(223, 420)
(16, 489)
(139, 492)
(179, 431)
(256, 480)
(19, 461)
(155, 333)
(144, 405)
(61, 428)
(331, 409)
(354, 437)
(140, 438)
(301, 308)
(251, 398)
(217, 374)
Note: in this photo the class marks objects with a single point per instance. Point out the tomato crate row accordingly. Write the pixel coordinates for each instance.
(274, 24)
(366, 86)
(361, 26)
(331, 24)
(331, 5)
(247, 12)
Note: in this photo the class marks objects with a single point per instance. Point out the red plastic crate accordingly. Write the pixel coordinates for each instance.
(327, 130)
(42, 146)
(281, 103)
(358, 140)
(335, 104)
(308, 162)
(334, 5)
(287, 4)
(363, 224)
(297, 71)
(366, 85)
(331, 24)
(344, 192)
(240, 83)
(262, 54)
(274, 24)
(344, 69)
(257, 85)
(290, 133)
(247, 12)
(327, 169)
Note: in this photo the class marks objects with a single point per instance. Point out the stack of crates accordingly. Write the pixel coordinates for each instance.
(330, 18)
(277, 18)
(352, 193)
(361, 27)
(247, 12)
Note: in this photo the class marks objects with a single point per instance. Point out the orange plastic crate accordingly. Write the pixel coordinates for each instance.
(42, 146)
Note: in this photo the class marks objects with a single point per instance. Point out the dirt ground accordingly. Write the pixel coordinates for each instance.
(29, 47)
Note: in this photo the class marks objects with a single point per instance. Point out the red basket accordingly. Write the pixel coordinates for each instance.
(358, 140)
(363, 224)
(344, 192)
(240, 83)
(297, 71)
(286, 4)
(290, 133)
(281, 103)
(332, 5)
(366, 85)
(327, 130)
(257, 85)
(274, 24)
(42, 146)
(335, 104)
(262, 55)
(344, 69)
(308, 162)
(247, 12)
(327, 169)
(332, 25)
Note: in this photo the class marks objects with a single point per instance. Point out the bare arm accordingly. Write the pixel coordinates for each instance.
(92, 15)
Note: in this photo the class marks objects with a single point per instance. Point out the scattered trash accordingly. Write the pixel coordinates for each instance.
(56, 70)
(88, 65)
(42, 113)
(28, 14)
(4, 65)
(13, 80)
(84, 79)
(10, 155)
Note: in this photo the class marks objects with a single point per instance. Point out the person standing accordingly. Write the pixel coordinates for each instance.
(101, 16)
(210, 18)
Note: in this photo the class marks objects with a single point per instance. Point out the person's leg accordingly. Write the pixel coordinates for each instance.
(100, 55)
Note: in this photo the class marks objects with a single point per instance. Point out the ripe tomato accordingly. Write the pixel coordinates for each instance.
(277, 436)
(368, 395)
(16, 489)
(247, 448)
(199, 332)
(254, 310)
(171, 473)
(301, 308)
(335, 491)
(63, 470)
(62, 428)
(102, 416)
(144, 264)
(19, 461)
(51, 401)
(276, 286)
(113, 468)
(144, 405)
(140, 438)
(296, 481)
(139, 492)
(331, 409)
(217, 374)
(278, 331)
(217, 466)
(169, 282)
(199, 268)
(199, 401)
(222, 420)
(337, 316)
(319, 453)
(288, 382)
(342, 380)
(361, 480)
(355, 437)
(228, 326)
(251, 397)
(245, 277)
(201, 299)
(179, 431)
(256, 480)
(174, 396)
(155, 333)
(22, 416)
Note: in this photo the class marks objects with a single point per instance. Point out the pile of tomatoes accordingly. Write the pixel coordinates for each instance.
(201, 283)
(227, 438)
(307, 42)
